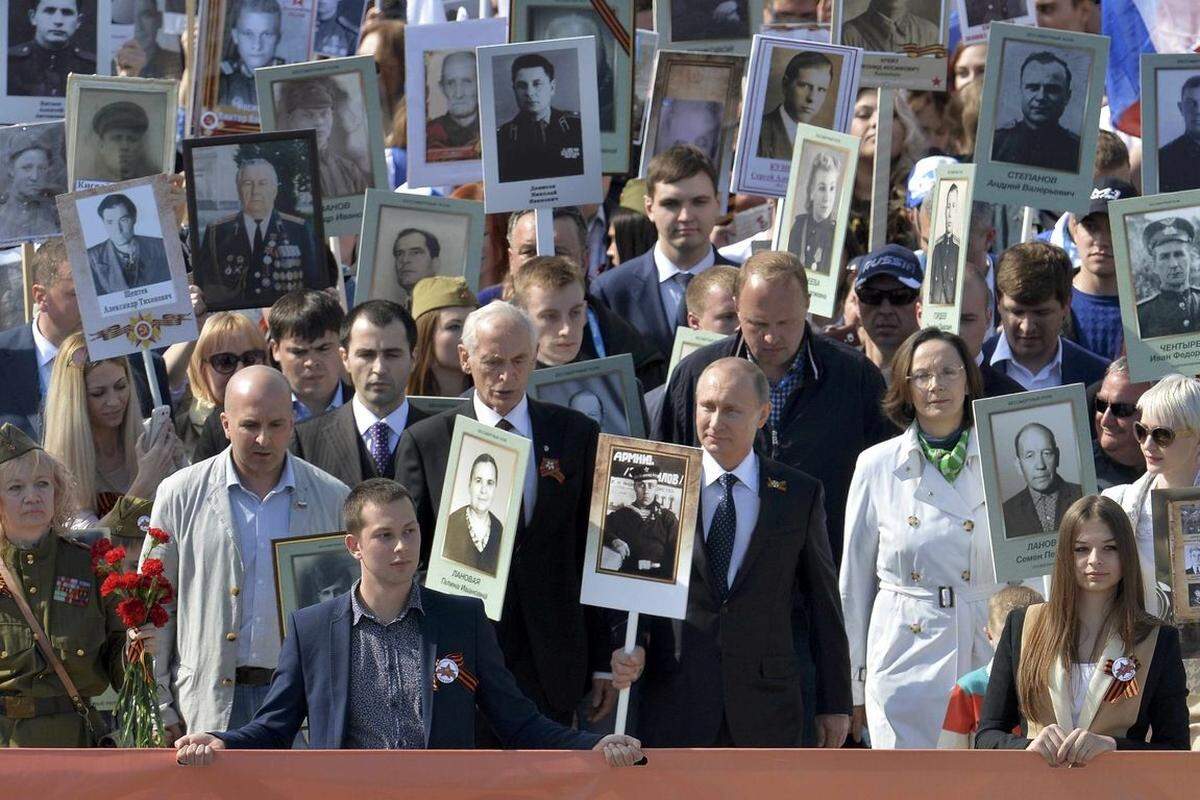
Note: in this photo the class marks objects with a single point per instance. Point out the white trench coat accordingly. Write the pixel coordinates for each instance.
(912, 539)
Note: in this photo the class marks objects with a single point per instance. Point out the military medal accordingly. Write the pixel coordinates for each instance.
(72, 591)
(549, 469)
(1124, 674)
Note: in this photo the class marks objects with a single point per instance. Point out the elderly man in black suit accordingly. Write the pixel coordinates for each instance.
(730, 676)
(549, 641)
(1040, 506)
(357, 441)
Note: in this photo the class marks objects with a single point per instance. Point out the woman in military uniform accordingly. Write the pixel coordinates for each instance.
(811, 236)
(54, 574)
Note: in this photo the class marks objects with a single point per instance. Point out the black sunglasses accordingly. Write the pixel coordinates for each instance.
(1122, 410)
(227, 363)
(1163, 437)
(902, 296)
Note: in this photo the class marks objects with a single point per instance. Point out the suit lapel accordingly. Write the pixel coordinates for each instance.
(658, 313)
(218, 504)
(768, 520)
(701, 569)
(429, 639)
(1100, 682)
(345, 442)
(339, 670)
(1060, 695)
(301, 500)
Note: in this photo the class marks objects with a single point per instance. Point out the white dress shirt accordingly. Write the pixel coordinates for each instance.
(789, 124)
(250, 225)
(46, 353)
(1047, 377)
(745, 503)
(668, 287)
(523, 426)
(364, 419)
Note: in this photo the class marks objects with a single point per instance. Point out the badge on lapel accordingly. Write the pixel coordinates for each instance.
(450, 669)
(778, 485)
(1124, 674)
(549, 468)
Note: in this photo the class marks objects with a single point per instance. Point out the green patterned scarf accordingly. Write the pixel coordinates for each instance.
(949, 462)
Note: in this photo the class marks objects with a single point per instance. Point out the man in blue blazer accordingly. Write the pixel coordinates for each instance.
(648, 291)
(393, 665)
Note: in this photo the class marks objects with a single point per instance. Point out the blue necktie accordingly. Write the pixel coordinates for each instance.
(721, 534)
(381, 454)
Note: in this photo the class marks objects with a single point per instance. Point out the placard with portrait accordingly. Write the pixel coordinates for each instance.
(311, 570)
(1176, 514)
(1170, 104)
(708, 26)
(946, 255)
(33, 171)
(603, 389)
(975, 17)
(119, 128)
(904, 42)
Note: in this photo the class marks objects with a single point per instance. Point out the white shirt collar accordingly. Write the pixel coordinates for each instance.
(746, 471)
(46, 350)
(287, 479)
(1004, 353)
(519, 416)
(249, 221)
(789, 124)
(667, 269)
(364, 418)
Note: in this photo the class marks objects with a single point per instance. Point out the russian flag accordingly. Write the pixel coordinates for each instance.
(1136, 27)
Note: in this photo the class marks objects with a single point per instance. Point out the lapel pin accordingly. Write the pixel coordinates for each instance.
(774, 484)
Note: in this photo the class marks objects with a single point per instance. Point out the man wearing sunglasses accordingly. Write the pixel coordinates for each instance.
(1116, 450)
(887, 287)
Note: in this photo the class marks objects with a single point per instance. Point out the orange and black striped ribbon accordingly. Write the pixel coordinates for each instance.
(610, 19)
(1120, 689)
(464, 674)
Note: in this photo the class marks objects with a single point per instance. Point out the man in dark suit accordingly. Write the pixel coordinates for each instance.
(1179, 159)
(1037, 139)
(358, 440)
(805, 84)
(331, 669)
(729, 676)
(681, 201)
(1038, 507)
(125, 260)
(473, 532)
(550, 642)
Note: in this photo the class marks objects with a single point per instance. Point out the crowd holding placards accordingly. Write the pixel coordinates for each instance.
(378, 357)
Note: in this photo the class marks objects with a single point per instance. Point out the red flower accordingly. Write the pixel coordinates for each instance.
(152, 567)
(130, 581)
(111, 583)
(166, 592)
(114, 556)
(101, 547)
(158, 615)
(159, 535)
(132, 612)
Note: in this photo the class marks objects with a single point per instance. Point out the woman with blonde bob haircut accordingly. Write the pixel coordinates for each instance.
(1168, 432)
(1090, 670)
(228, 343)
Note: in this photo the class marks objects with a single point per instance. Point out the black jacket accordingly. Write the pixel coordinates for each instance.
(649, 365)
(213, 440)
(996, 383)
(331, 442)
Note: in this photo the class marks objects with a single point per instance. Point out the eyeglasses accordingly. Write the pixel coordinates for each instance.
(227, 363)
(1163, 437)
(902, 296)
(923, 379)
(1122, 410)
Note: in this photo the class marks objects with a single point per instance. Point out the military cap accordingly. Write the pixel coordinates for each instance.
(121, 114)
(312, 93)
(14, 442)
(441, 291)
(1171, 229)
(641, 472)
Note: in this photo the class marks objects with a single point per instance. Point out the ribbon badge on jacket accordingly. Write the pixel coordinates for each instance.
(450, 669)
(1124, 674)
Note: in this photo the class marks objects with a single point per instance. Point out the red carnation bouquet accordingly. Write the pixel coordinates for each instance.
(139, 596)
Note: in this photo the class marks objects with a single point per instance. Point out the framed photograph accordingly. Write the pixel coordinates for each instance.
(694, 100)
(44, 41)
(12, 288)
(311, 570)
(1155, 251)
(790, 83)
(235, 38)
(534, 20)
(903, 41)
(119, 129)
(436, 405)
(1177, 523)
(477, 520)
(709, 26)
(407, 237)
(1033, 470)
(146, 37)
(688, 341)
(336, 31)
(603, 389)
(539, 111)
(33, 173)
(442, 92)
(1170, 122)
(941, 292)
(1040, 117)
(642, 526)
(813, 216)
(975, 17)
(339, 99)
(254, 202)
(646, 45)
(130, 276)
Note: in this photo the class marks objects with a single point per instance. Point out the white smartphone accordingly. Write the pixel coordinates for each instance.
(161, 415)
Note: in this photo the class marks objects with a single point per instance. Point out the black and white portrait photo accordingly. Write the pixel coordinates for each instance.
(945, 250)
(536, 97)
(120, 135)
(323, 576)
(154, 50)
(473, 532)
(48, 40)
(804, 87)
(260, 33)
(703, 20)
(891, 26)
(690, 121)
(33, 170)
(1040, 106)
(1193, 595)
(546, 22)
(337, 27)
(984, 12)
(812, 230)
(1178, 121)
(1037, 460)
(641, 526)
(1191, 559)
(335, 107)
(1162, 247)
(254, 203)
(451, 106)
(598, 397)
(409, 243)
(130, 256)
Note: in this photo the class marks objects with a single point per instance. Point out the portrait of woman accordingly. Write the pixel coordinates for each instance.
(812, 233)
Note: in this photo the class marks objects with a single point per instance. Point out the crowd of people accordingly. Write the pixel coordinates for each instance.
(842, 590)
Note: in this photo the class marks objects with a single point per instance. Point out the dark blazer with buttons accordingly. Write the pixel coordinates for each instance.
(313, 681)
(735, 659)
(331, 442)
(541, 603)
(1078, 365)
(631, 290)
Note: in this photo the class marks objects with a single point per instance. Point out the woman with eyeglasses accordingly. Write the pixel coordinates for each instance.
(1168, 431)
(916, 569)
(228, 342)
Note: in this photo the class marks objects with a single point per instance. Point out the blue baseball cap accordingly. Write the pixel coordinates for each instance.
(922, 178)
(891, 259)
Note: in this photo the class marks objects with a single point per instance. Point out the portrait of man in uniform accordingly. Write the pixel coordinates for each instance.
(541, 141)
(887, 26)
(473, 532)
(985, 12)
(696, 122)
(39, 67)
(338, 22)
(119, 143)
(1179, 159)
(454, 135)
(700, 20)
(322, 104)
(943, 260)
(805, 84)
(125, 260)
(641, 538)
(1039, 139)
(551, 23)
(1175, 307)
(415, 253)
(811, 237)
(33, 175)
(1038, 507)
(254, 37)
